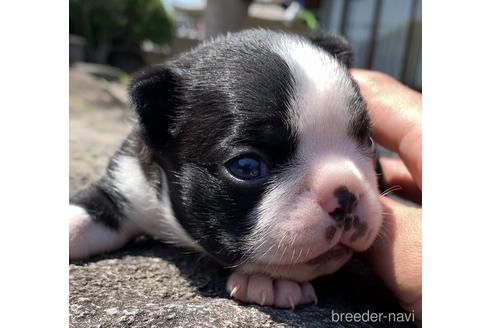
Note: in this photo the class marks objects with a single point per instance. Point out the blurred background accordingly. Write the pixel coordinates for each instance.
(124, 35)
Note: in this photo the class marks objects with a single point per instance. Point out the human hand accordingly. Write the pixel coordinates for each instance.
(396, 255)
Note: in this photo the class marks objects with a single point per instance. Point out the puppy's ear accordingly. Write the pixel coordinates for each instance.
(336, 45)
(153, 93)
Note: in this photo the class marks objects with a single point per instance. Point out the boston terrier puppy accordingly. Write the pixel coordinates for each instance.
(255, 149)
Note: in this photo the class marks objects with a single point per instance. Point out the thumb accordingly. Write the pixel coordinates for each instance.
(396, 255)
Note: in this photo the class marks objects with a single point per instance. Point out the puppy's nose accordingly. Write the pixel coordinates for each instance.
(342, 203)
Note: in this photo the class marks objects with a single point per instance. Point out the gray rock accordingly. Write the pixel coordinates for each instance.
(150, 284)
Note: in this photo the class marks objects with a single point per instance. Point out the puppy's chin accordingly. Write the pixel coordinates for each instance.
(326, 263)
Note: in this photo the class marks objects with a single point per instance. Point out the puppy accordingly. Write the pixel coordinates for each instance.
(255, 149)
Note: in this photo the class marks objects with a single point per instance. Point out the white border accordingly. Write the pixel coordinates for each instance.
(34, 163)
(457, 227)
(457, 166)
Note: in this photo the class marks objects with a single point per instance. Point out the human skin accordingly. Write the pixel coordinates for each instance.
(396, 255)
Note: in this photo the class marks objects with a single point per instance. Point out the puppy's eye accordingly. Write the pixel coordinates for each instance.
(247, 168)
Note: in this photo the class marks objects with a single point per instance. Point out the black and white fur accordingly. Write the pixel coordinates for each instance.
(282, 98)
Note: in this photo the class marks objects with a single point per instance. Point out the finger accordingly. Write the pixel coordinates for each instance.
(396, 115)
(396, 255)
(396, 174)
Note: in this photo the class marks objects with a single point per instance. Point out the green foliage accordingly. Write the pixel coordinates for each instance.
(104, 23)
(309, 18)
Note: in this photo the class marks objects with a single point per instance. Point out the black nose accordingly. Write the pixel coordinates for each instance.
(346, 201)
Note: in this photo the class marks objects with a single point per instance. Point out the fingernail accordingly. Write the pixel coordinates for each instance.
(292, 306)
(234, 291)
(315, 299)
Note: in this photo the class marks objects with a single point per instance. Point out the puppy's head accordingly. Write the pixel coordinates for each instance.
(265, 142)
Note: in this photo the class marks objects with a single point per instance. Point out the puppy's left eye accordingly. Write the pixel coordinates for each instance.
(247, 168)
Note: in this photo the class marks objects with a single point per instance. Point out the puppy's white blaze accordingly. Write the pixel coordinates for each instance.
(323, 88)
(146, 207)
(320, 115)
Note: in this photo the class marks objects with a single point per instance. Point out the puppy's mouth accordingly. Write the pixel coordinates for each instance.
(316, 247)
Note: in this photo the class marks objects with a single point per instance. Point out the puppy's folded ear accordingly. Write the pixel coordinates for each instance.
(154, 94)
(336, 45)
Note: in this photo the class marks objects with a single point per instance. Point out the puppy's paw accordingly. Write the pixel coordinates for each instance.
(88, 237)
(80, 224)
(264, 290)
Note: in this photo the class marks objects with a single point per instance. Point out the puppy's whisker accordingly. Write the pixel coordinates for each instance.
(283, 253)
(254, 248)
(390, 190)
(308, 252)
(293, 249)
(280, 244)
(299, 256)
(251, 257)
(384, 234)
(264, 254)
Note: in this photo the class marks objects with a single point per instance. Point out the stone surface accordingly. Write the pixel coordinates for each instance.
(150, 284)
